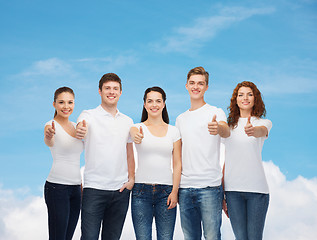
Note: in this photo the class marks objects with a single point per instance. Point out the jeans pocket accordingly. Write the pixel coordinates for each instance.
(137, 190)
(167, 190)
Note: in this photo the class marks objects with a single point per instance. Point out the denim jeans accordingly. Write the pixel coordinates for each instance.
(150, 201)
(108, 208)
(201, 207)
(63, 207)
(247, 212)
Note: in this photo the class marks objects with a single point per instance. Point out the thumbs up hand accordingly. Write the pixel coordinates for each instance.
(138, 136)
(81, 130)
(50, 131)
(213, 126)
(249, 129)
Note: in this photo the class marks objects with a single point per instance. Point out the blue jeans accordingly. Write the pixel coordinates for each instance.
(108, 208)
(150, 201)
(247, 212)
(201, 207)
(63, 207)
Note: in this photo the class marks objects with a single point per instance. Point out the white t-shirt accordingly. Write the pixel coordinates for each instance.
(106, 165)
(66, 157)
(243, 160)
(200, 150)
(155, 155)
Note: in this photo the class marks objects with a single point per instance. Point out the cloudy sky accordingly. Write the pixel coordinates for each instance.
(46, 45)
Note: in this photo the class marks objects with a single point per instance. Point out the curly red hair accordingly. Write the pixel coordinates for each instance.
(234, 111)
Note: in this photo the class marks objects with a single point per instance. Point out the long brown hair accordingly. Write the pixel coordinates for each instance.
(61, 90)
(164, 112)
(258, 109)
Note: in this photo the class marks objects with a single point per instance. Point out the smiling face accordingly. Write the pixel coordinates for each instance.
(154, 104)
(196, 86)
(245, 99)
(64, 104)
(110, 93)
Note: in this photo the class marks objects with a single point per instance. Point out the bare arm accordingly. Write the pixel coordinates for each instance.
(177, 170)
(131, 168)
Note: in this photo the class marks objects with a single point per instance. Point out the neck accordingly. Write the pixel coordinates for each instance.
(61, 120)
(154, 120)
(245, 113)
(110, 109)
(196, 103)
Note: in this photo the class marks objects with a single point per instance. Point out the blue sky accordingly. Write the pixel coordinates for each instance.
(46, 45)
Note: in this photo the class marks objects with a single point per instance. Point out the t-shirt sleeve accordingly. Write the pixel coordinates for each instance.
(221, 116)
(266, 123)
(176, 134)
(178, 126)
(48, 123)
(83, 116)
(129, 137)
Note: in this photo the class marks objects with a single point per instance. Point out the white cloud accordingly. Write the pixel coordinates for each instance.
(51, 66)
(291, 215)
(205, 28)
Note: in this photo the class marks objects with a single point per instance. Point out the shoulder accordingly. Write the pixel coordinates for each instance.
(261, 121)
(126, 118)
(213, 108)
(137, 125)
(174, 131)
(182, 115)
(49, 123)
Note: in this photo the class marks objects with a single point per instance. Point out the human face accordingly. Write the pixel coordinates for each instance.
(196, 86)
(154, 104)
(245, 99)
(110, 93)
(64, 104)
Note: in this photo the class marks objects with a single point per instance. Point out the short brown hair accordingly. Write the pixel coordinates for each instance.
(109, 77)
(199, 71)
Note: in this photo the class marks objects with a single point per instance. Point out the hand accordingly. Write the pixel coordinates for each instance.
(213, 126)
(249, 129)
(225, 208)
(172, 200)
(81, 130)
(50, 131)
(128, 185)
(139, 136)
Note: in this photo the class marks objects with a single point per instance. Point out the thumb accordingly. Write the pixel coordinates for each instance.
(141, 130)
(249, 120)
(53, 125)
(214, 118)
(84, 123)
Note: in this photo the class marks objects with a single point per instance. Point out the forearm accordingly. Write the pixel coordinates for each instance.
(130, 162)
(260, 131)
(177, 164)
(49, 142)
(224, 130)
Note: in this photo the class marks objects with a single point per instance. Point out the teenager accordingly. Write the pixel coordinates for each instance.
(109, 163)
(155, 192)
(246, 189)
(201, 194)
(62, 190)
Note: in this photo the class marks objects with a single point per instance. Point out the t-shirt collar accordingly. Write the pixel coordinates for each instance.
(104, 112)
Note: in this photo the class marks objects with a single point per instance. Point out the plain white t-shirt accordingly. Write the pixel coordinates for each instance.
(106, 141)
(155, 155)
(66, 157)
(200, 150)
(244, 170)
